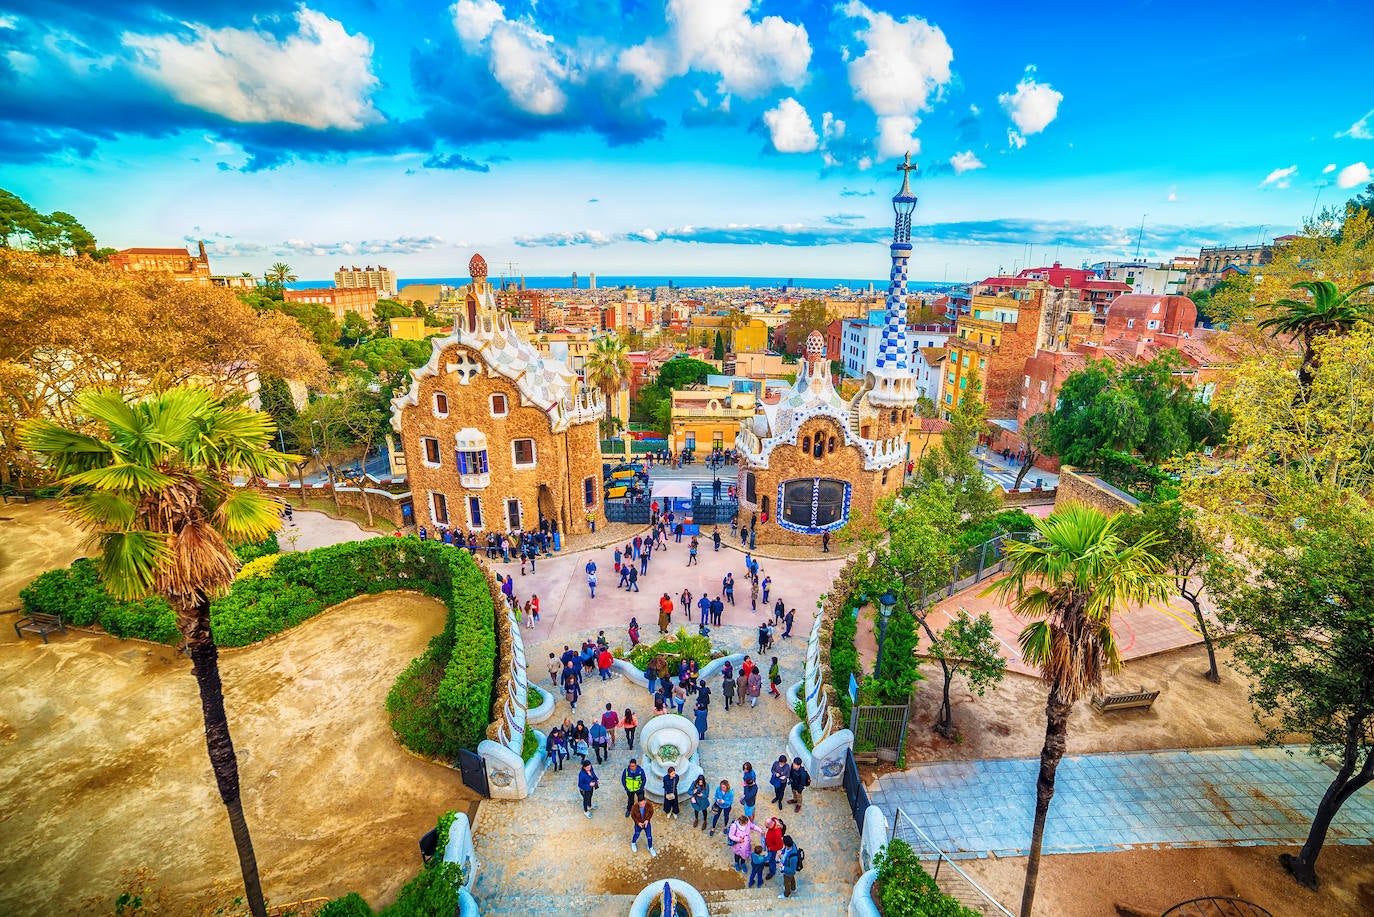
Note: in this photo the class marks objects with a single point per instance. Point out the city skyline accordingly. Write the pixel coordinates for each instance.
(711, 137)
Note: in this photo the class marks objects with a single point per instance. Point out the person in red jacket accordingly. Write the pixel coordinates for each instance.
(610, 719)
(604, 659)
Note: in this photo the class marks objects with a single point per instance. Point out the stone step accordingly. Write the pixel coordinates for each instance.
(555, 901)
(808, 901)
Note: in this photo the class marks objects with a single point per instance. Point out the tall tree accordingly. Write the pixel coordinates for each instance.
(279, 275)
(718, 353)
(1325, 310)
(154, 487)
(1071, 582)
(966, 647)
(1189, 553)
(1035, 434)
(808, 316)
(606, 366)
(56, 233)
(1304, 627)
(954, 465)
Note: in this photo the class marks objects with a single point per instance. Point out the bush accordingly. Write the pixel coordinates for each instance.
(904, 889)
(410, 702)
(79, 596)
(680, 645)
(251, 552)
(1008, 520)
(844, 658)
(530, 746)
(799, 708)
(350, 905)
(432, 893)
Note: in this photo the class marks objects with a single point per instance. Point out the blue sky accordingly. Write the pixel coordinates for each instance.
(691, 137)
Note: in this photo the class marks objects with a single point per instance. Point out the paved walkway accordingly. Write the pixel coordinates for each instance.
(1220, 797)
(542, 846)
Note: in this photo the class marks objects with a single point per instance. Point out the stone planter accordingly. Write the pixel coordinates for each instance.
(861, 903)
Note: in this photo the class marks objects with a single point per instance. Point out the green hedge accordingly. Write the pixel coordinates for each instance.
(441, 702)
(674, 648)
(432, 893)
(904, 889)
(844, 657)
(78, 595)
(247, 552)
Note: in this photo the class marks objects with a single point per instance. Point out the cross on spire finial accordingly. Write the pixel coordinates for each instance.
(906, 168)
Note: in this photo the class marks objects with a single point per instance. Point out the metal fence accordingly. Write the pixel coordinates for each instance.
(879, 732)
(952, 880)
(634, 512)
(855, 791)
(977, 564)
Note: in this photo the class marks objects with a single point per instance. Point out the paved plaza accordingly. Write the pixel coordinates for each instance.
(1102, 803)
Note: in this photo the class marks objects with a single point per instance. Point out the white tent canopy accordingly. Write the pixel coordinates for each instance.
(674, 490)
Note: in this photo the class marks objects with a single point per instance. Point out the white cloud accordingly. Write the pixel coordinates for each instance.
(832, 128)
(895, 136)
(905, 63)
(1280, 178)
(519, 55)
(1172, 198)
(1014, 139)
(719, 36)
(966, 161)
(1352, 176)
(319, 76)
(790, 127)
(975, 110)
(1032, 106)
(1360, 129)
(1330, 167)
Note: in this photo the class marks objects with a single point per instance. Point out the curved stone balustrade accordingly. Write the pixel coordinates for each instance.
(668, 740)
(684, 896)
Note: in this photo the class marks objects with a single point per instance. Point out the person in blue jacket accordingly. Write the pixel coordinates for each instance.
(791, 858)
(587, 783)
(721, 805)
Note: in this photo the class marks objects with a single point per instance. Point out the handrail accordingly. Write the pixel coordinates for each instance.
(900, 818)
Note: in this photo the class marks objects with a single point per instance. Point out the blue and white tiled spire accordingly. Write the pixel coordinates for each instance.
(894, 383)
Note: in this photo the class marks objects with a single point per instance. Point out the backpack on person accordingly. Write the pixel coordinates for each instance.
(801, 859)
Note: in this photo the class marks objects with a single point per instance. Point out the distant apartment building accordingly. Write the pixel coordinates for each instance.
(407, 328)
(177, 263)
(990, 346)
(751, 337)
(1074, 288)
(571, 347)
(1163, 278)
(708, 418)
(234, 281)
(339, 301)
(859, 341)
(524, 305)
(379, 278)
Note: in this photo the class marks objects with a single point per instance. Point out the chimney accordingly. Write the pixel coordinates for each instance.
(201, 249)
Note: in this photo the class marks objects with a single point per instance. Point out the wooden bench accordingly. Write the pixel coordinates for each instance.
(39, 623)
(1109, 702)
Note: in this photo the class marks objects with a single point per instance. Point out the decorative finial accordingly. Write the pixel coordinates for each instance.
(906, 168)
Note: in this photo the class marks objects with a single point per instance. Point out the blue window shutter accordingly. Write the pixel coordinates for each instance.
(483, 453)
(462, 463)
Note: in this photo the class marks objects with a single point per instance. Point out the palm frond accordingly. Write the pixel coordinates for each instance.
(67, 451)
(124, 476)
(246, 516)
(101, 510)
(131, 561)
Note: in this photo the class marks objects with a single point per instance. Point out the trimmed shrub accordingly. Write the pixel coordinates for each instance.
(251, 552)
(904, 889)
(678, 646)
(79, 596)
(844, 657)
(431, 893)
(410, 702)
(147, 619)
(350, 905)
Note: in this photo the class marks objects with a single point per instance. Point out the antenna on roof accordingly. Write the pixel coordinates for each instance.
(1140, 236)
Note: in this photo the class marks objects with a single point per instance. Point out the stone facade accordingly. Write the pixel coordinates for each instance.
(1079, 487)
(497, 435)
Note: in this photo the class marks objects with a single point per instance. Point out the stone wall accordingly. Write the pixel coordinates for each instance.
(788, 462)
(553, 486)
(1080, 487)
(384, 505)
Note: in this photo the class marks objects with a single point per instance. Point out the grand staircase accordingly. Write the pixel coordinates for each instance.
(809, 901)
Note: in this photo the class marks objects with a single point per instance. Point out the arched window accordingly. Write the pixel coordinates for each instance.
(814, 503)
(892, 418)
(830, 445)
(440, 404)
(819, 448)
(806, 444)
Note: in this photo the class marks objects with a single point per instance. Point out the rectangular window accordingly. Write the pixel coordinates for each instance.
(431, 447)
(1153, 324)
(1130, 323)
(472, 462)
(982, 364)
(499, 407)
(440, 404)
(1042, 386)
(1023, 401)
(522, 453)
(512, 513)
(1025, 381)
(475, 512)
(690, 440)
(439, 503)
(589, 491)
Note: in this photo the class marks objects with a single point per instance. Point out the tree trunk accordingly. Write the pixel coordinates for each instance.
(1304, 866)
(945, 725)
(1056, 730)
(1213, 674)
(300, 476)
(205, 665)
(1021, 475)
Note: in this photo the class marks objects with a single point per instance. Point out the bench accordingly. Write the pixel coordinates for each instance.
(39, 623)
(1109, 702)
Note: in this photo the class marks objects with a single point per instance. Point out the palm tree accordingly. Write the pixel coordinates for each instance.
(606, 365)
(1326, 311)
(154, 489)
(279, 275)
(1071, 581)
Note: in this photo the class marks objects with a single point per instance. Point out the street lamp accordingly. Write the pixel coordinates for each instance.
(886, 602)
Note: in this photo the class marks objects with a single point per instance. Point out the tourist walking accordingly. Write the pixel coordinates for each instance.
(728, 585)
(633, 633)
(665, 613)
(798, 779)
(763, 637)
(680, 695)
(572, 685)
(586, 785)
(671, 804)
(642, 814)
(610, 719)
(773, 831)
(727, 688)
(767, 583)
(825, 542)
(791, 857)
(699, 797)
(787, 622)
(651, 673)
(692, 553)
(554, 668)
(742, 687)
(591, 579)
(557, 747)
(715, 540)
(779, 773)
(749, 790)
(717, 609)
(774, 678)
(534, 610)
(704, 606)
(632, 779)
(599, 742)
(634, 581)
(740, 835)
(699, 720)
(604, 660)
(721, 804)
(629, 723)
(625, 570)
(755, 687)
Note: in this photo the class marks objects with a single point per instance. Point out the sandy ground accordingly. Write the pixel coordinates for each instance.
(1142, 883)
(103, 764)
(34, 537)
(1009, 722)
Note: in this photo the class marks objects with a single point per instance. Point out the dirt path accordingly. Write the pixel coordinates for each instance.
(103, 765)
(34, 537)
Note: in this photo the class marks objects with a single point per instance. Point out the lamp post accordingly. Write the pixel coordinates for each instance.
(886, 602)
